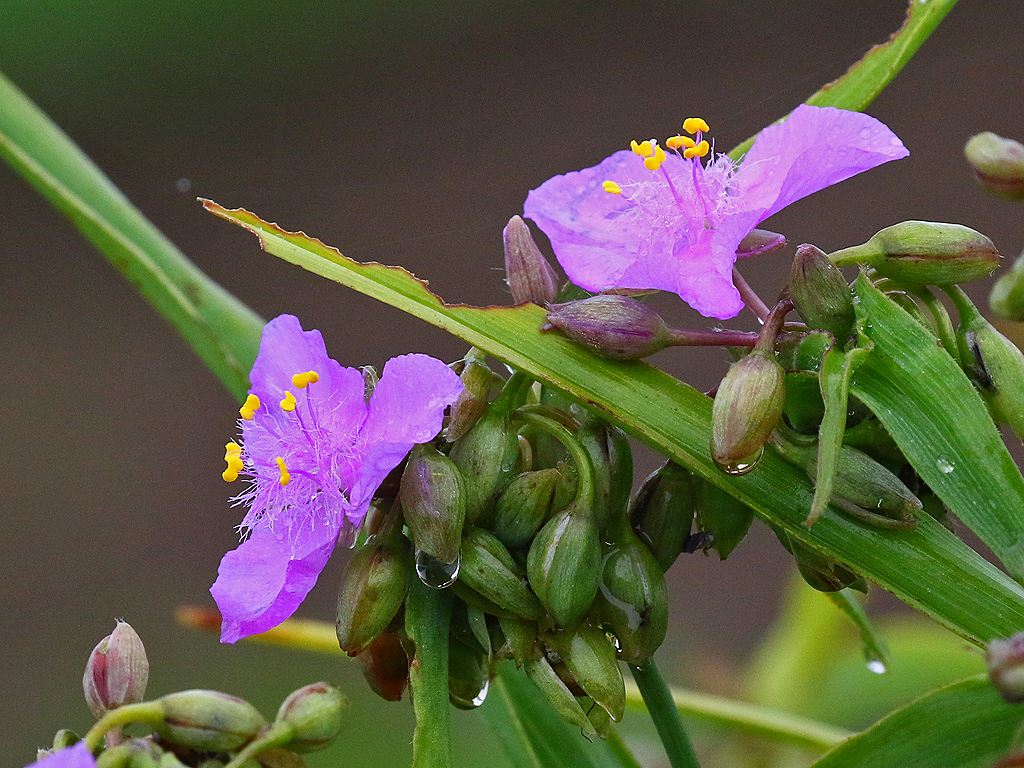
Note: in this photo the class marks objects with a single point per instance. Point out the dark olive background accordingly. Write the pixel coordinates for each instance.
(404, 133)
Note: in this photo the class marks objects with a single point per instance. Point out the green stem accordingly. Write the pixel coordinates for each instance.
(278, 736)
(147, 713)
(662, 708)
(427, 617)
(584, 467)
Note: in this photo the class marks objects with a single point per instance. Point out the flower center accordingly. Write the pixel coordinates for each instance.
(693, 147)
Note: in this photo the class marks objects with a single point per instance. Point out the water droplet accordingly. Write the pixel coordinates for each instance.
(877, 666)
(435, 573)
(945, 465)
(742, 466)
(476, 701)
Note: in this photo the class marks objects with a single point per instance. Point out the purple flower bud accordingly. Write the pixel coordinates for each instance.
(747, 408)
(433, 495)
(316, 714)
(759, 242)
(820, 292)
(618, 327)
(117, 671)
(531, 278)
(998, 164)
(1006, 667)
(479, 383)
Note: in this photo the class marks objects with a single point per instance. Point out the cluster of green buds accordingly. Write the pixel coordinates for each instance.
(195, 727)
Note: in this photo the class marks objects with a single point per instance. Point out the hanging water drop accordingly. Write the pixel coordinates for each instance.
(742, 466)
(435, 573)
(877, 666)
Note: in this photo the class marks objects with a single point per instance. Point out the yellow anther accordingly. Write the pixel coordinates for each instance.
(249, 407)
(700, 150)
(285, 475)
(232, 449)
(643, 148)
(288, 402)
(654, 162)
(695, 125)
(611, 188)
(677, 142)
(303, 380)
(233, 458)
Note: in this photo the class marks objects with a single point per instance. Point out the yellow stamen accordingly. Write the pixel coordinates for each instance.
(698, 151)
(232, 449)
(285, 475)
(233, 458)
(611, 188)
(643, 148)
(288, 403)
(249, 407)
(303, 380)
(654, 163)
(695, 125)
(676, 142)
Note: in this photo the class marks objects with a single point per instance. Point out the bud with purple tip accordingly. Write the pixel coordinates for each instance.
(1005, 660)
(613, 326)
(117, 671)
(531, 278)
(820, 292)
(998, 164)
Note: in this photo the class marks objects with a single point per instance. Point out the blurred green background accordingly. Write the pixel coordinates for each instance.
(406, 133)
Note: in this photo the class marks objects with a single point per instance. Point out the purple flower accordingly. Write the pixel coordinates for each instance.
(77, 756)
(315, 451)
(663, 220)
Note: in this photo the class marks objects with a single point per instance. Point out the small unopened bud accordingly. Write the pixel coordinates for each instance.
(520, 640)
(523, 506)
(208, 721)
(559, 696)
(385, 666)
(759, 242)
(530, 276)
(725, 519)
(467, 675)
(820, 292)
(820, 572)
(117, 671)
(315, 713)
(662, 512)
(612, 459)
(487, 457)
(1007, 297)
(564, 565)
(747, 408)
(590, 657)
(1005, 660)
(925, 253)
(489, 570)
(998, 164)
(373, 588)
(433, 498)
(613, 326)
(478, 383)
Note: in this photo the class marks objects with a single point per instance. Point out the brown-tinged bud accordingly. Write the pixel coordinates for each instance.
(662, 512)
(820, 292)
(530, 276)
(747, 408)
(1007, 297)
(725, 519)
(1005, 659)
(468, 675)
(559, 696)
(487, 457)
(433, 496)
(590, 657)
(925, 253)
(373, 588)
(385, 666)
(479, 383)
(613, 326)
(820, 572)
(489, 570)
(117, 671)
(523, 506)
(612, 459)
(208, 721)
(520, 640)
(315, 714)
(998, 164)
(563, 564)
(760, 242)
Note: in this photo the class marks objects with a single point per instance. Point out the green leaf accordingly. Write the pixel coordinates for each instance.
(941, 424)
(866, 79)
(927, 567)
(966, 724)
(222, 331)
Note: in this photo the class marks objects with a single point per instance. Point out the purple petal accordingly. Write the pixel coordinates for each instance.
(407, 407)
(814, 148)
(77, 756)
(261, 582)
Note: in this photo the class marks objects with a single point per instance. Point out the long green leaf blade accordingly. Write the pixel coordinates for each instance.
(939, 421)
(966, 725)
(928, 567)
(222, 331)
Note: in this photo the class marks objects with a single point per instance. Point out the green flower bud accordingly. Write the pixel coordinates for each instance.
(820, 572)
(634, 600)
(725, 519)
(468, 676)
(662, 512)
(208, 721)
(1005, 659)
(373, 588)
(925, 253)
(559, 696)
(564, 564)
(65, 737)
(486, 456)
(612, 326)
(996, 366)
(520, 640)
(998, 164)
(433, 498)
(747, 408)
(385, 666)
(479, 384)
(523, 506)
(531, 278)
(1007, 297)
(136, 753)
(489, 570)
(590, 658)
(760, 242)
(612, 459)
(117, 671)
(820, 292)
(315, 713)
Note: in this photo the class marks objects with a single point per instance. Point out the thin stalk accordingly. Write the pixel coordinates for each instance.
(145, 713)
(278, 736)
(584, 467)
(943, 325)
(689, 337)
(754, 302)
(662, 708)
(428, 614)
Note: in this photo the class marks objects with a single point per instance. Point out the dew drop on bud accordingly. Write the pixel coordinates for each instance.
(742, 466)
(877, 666)
(435, 573)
